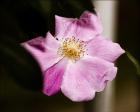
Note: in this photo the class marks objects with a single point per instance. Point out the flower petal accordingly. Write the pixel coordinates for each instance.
(51, 42)
(53, 77)
(63, 27)
(93, 21)
(105, 49)
(84, 28)
(37, 43)
(88, 75)
(43, 51)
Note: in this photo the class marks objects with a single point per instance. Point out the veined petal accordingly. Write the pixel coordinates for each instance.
(88, 75)
(84, 28)
(43, 51)
(105, 49)
(53, 77)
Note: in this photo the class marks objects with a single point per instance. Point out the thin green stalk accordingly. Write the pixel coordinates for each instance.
(134, 61)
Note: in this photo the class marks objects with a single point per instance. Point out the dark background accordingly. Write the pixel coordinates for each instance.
(20, 76)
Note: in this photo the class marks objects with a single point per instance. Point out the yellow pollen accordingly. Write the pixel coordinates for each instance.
(72, 48)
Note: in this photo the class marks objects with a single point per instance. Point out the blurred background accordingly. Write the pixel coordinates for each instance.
(20, 76)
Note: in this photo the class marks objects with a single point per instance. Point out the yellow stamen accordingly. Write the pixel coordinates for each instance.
(72, 48)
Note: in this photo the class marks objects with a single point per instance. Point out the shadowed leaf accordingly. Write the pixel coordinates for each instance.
(20, 65)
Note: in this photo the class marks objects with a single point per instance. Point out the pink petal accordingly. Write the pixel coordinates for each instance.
(105, 49)
(88, 75)
(84, 28)
(63, 27)
(37, 43)
(51, 42)
(42, 51)
(93, 21)
(53, 77)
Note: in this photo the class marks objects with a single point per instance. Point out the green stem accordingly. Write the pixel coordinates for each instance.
(134, 61)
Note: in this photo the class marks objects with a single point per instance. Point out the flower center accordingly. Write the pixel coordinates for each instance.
(72, 48)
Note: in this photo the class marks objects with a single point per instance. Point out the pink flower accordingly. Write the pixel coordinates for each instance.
(78, 60)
